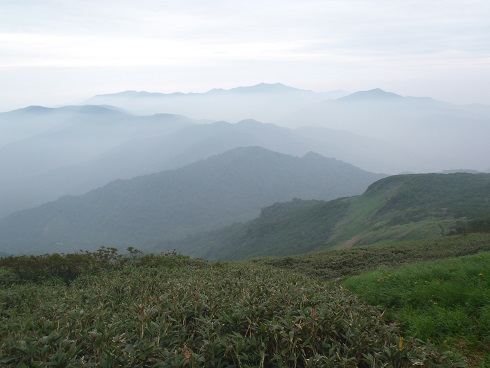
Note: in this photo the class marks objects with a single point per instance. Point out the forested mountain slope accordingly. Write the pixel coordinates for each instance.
(147, 210)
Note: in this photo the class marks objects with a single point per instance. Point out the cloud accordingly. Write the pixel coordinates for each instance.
(220, 28)
(310, 40)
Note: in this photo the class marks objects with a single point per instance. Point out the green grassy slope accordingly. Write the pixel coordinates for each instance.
(446, 301)
(402, 207)
(283, 229)
(416, 206)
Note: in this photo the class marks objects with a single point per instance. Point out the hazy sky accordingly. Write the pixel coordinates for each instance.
(55, 52)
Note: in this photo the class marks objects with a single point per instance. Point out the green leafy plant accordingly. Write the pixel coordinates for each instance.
(169, 310)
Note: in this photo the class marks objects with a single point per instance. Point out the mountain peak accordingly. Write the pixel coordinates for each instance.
(313, 155)
(268, 88)
(80, 109)
(34, 109)
(373, 94)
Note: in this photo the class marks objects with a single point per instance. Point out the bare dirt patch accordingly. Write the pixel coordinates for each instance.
(349, 243)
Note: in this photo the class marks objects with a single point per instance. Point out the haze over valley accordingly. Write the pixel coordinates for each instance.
(50, 152)
(47, 154)
(244, 183)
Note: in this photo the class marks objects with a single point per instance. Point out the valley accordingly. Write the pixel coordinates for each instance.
(141, 229)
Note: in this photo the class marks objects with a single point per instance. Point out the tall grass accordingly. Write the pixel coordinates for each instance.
(446, 301)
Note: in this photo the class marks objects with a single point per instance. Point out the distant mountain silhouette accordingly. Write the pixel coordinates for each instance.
(440, 135)
(264, 102)
(37, 142)
(443, 135)
(164, 142)
(151, 154)
(269, 88)
(136, 94)
(374, 94)
(259, 88)
(46, 152)
(146, 210)
(33, 120)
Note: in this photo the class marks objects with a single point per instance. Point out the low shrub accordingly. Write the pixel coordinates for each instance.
(146, 315)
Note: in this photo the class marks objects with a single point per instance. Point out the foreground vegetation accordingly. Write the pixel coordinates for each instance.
(452, 309)
(445, 301)
(168, 310)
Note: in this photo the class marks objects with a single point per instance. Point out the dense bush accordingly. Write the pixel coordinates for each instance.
(481, 225)
(353, 261)
(65, 267)
(168, 311)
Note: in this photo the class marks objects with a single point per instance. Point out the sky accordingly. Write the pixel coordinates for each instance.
(58, 52)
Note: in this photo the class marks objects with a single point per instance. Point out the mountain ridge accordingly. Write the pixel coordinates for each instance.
(373, 94)
(264, 102)
(258, 88)
(36, 148)
(151, 154)
(223, 189)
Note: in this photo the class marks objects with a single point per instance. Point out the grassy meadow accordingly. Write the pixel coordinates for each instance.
(445, 301)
